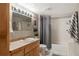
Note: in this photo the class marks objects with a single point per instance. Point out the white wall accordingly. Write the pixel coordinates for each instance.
(63, 35)
(54, 31)
(59, 33)
(64, 44)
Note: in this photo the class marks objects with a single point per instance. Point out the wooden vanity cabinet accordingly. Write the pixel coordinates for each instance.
(31, 49)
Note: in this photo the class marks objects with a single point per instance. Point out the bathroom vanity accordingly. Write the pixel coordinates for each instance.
(16, 32)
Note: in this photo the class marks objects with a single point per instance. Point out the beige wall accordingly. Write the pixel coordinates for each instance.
(59, 33)
(54, 31)
(62, 43)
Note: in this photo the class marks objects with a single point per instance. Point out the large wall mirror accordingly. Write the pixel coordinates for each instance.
(21, 23)
(21, 26)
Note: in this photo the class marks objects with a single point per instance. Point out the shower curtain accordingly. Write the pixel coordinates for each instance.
(45, 31)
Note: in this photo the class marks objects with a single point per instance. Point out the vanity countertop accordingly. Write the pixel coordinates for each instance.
(17, 44)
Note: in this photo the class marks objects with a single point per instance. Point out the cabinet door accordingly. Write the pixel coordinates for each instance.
(31, 46)
(32, 49)
(4, 29)
(30, 53)
(36, 51)
(33, 52)
(27, 54)
(20, 53)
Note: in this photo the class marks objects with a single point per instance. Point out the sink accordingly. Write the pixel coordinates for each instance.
(27, 40)
(16, 44)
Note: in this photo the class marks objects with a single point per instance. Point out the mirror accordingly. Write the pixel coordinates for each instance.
(22, 27)
(21, 23)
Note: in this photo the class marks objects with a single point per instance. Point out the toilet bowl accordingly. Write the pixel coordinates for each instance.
(44, 51)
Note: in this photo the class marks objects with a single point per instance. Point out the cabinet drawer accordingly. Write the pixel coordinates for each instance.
(36, 51)
(33, 52)
(19, 53)
(31, 46)
(28, 48)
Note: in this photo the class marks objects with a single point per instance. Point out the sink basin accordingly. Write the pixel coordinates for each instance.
(27, 40)
(16, 44)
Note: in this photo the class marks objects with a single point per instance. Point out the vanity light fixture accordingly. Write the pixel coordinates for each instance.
(12, 8)
(15, 9)
(25, 13)
(19, 10)
(28, 14)
(22, 12)
(31, 15)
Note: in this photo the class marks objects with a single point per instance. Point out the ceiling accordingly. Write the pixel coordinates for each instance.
(52, 9)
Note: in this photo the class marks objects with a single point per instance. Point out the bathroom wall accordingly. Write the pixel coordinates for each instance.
(62, 43)
(59, 33)
(54, 30)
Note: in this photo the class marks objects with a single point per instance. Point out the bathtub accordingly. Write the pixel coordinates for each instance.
(69, 49)
(63, 49)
